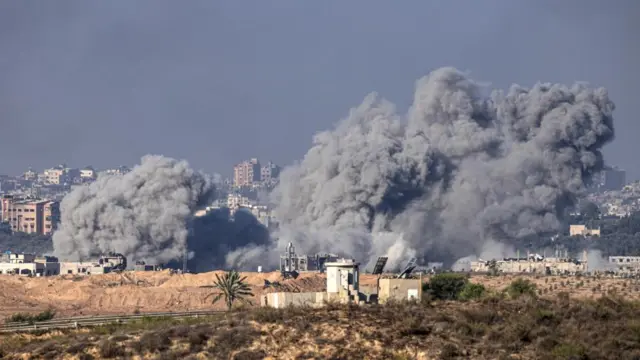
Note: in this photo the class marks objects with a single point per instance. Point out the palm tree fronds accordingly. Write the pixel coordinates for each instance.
(232, 287)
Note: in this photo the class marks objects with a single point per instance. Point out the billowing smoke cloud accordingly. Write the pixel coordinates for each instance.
(461, 169)
(218, 233)
(144, 214)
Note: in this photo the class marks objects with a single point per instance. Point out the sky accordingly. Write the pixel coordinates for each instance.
(216, 82)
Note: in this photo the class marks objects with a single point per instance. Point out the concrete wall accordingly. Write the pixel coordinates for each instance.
(540, 267)
(283, 299)
(30, 269)
(399, 290)
(82, 268)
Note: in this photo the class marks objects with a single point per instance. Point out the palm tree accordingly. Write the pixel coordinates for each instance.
(232, 287)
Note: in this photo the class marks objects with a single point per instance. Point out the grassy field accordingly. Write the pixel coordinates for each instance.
(499, 325)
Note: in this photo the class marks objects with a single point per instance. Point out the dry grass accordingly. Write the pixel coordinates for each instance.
(495, 327)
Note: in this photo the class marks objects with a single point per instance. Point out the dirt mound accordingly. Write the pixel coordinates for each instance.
(127, 292)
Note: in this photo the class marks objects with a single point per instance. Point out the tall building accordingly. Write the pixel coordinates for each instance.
(269, 173)
(246, 173)
(33, 216)
(55, 175)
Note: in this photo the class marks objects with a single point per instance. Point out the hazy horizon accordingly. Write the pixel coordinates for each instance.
(104, 83)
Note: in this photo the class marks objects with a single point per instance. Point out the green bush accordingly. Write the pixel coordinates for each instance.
(29, 318)
(521, 287)
(472, 291)
(447, 286)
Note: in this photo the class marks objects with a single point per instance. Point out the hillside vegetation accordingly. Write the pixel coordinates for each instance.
(510, 324)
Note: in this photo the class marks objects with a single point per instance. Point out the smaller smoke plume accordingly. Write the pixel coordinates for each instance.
(597, 262)
(143, 214)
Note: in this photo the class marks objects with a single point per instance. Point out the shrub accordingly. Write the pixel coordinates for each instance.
(472, 291)
(228, 340)
(447, 286)
(29, 318)
(519, 287)
(153, 342)
(109, 349)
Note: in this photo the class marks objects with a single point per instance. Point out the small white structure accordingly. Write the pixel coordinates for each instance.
(343, 279)
(82, 268)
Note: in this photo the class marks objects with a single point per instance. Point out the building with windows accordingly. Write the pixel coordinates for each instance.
(582, 230)
(32, 216)
(120, 170)
(269, 173)
(55, 175)
(88, 174)
(247, 173)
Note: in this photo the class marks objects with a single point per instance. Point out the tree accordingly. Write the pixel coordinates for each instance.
(472, 291)
(493, 267)
(521, 287)
(447, 286)
(232, 287)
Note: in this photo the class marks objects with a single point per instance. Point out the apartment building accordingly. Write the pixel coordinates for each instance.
(583, 230)
(269, 173)
(55, 175)
(88, 174)
(246, 173)
(33, 216)
(30, 175)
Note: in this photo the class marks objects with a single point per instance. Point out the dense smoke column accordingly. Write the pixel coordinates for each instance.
(218, 233)
(142, 214)
(463, 173)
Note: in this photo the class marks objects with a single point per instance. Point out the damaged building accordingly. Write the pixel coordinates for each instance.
(533, 263)
(32, 265)
(28, 265)
(290, 261)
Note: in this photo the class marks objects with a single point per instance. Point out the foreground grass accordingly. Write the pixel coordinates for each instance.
(494, 327)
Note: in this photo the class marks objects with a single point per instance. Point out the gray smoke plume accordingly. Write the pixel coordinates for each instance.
(461, 169)
(144, 214)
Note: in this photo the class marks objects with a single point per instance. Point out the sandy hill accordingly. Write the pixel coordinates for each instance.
(129, 291)
(162, 291)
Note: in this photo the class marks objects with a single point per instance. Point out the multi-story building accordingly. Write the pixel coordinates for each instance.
(247, 173)
(30, 175)
(33, 216)
(269, 173)
(235, 201)
(55, 175)
(88, 174)
(582, 230)
(120, 170)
